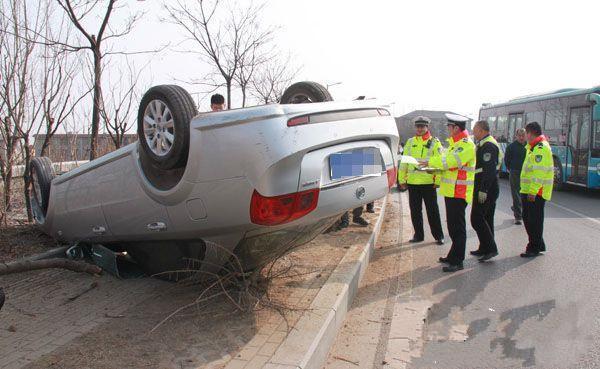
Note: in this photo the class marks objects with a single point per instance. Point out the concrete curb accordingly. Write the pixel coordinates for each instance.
(308, 344)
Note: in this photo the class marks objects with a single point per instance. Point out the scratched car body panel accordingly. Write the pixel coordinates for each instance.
(231, 155)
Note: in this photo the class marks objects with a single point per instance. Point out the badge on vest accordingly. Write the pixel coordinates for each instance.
(538, 158)
(460, 149)
(487, 156)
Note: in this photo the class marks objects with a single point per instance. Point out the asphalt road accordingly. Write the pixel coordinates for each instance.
(515, 312)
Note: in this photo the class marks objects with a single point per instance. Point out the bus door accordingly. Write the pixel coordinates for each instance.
(579, 144)
(514, 121)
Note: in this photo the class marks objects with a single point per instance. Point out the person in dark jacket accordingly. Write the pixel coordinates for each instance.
(486, 191)
(513, 159)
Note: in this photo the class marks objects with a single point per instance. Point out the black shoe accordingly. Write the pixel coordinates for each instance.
(530, 254)
(439, 241)
(370, 209)
(488, 256)
(415, 240)
(360, 221)
(444, 260)
(518, 222)
(477, 253)
(342, 225)
(452, 268)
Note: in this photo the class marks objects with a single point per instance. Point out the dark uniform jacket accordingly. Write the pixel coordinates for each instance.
(486, 172)
(514, 156)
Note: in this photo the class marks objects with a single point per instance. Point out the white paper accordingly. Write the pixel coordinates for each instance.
(405, 159)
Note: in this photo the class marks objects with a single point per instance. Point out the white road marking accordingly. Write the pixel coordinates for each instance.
(574, 212)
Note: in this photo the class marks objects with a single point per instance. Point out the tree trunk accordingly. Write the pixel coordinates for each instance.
(27, 265)
(228, 84)
(97, 102)
(27, 180)
(243, 96)
(7, 188)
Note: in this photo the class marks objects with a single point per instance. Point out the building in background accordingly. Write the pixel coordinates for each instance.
(76, 147)
(406, 128)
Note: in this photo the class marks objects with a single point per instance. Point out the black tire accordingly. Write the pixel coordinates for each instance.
(305, 92)
(42, 174)
(168, 260)
(559, 185)
(182, 109)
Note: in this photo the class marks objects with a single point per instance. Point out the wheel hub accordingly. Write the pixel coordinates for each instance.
(159, 128)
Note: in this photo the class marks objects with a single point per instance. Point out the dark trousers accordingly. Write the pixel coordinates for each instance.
(417, 194)
(533, 217)
(457, 228)
(515, 191)
(356, 212)
(482, 221)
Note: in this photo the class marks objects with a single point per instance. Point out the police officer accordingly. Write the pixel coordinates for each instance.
(422, 185)
(486, 190)
(537, 181)
(457, 167)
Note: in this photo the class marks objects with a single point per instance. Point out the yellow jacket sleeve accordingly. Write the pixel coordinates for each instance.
(437, 152)
(455, 158)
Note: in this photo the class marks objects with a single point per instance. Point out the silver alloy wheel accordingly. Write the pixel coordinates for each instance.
(159, 128)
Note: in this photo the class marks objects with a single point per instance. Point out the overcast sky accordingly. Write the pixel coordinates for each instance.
(426, 54)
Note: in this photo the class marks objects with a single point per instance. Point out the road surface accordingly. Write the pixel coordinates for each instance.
(512, 312)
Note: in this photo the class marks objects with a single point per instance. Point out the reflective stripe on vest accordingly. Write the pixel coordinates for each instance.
(538, 181)
(458, 181)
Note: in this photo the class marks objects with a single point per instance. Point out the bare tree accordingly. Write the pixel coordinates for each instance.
(272, 78)
(224, 34)
(119, 105)
(58, 87)
(77, 11)
(19, 28)
(248, 66)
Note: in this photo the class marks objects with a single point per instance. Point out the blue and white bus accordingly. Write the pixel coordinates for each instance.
(570, 119)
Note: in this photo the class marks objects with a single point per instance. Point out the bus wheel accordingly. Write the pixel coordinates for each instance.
(559, 185)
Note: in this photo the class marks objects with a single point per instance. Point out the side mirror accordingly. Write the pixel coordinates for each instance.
(595, 99)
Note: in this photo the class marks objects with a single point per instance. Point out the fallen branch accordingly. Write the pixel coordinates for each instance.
(346, 360)
(28, 265)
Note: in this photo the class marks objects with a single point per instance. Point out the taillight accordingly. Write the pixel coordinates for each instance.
(392, 173)
(276, 210)
(298, 121)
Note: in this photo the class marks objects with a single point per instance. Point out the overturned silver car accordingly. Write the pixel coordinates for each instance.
(252, 182)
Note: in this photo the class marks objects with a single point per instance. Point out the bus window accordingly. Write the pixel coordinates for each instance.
(501, 128)
(596, 135)
(535, 116)
(492, 123)
(514, 121)
(554, 119)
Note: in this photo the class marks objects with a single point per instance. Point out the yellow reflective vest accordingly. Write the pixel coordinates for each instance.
(419, 147)
(457, 167)
(537, 175)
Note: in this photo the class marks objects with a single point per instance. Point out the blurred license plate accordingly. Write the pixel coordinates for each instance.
(355, 163)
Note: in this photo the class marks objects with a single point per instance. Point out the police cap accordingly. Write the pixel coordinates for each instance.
(421, 120)
(456, 120)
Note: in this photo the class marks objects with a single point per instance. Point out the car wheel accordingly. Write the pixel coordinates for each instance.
(42, 174)
(164, 119)
(168, 260)
(305, 92)
(559, 185)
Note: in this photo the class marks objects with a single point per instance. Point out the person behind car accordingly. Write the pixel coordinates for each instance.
(514, 158)
(217, 102)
